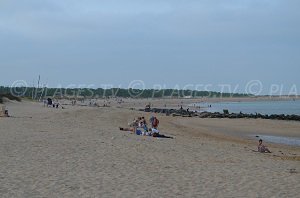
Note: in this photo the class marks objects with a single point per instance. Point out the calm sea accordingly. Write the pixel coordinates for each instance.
(262, 107)
(293, 141)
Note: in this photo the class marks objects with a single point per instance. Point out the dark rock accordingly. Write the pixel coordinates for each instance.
(185, 113)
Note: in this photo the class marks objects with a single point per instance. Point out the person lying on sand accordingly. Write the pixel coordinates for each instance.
(155, 133)
(262, 148)
(130, 129)
(137, 131)
(152, 132)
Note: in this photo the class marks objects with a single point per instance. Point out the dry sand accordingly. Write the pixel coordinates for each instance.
(79, 152)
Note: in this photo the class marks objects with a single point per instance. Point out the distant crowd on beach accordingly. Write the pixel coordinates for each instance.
(94, 102)
(50, 103)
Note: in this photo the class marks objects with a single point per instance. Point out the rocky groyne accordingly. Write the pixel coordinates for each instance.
(226, 114)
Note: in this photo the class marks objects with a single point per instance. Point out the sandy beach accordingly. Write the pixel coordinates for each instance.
(80, 152)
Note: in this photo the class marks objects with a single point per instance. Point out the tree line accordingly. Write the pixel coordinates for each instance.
(37, 93)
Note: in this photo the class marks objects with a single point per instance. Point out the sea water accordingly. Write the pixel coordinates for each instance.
(293, 141)
(263, 107)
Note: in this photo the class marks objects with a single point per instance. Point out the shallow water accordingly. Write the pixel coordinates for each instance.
(262, 107)
(292, 141)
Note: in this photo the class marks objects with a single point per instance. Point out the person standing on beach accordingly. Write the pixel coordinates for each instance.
(155, 123)
(151, 120)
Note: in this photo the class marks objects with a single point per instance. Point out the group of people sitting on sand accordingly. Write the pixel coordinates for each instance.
(140, 126)
(50, 103)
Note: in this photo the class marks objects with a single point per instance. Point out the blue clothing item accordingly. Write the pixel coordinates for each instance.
(145, 128)
(138, 132)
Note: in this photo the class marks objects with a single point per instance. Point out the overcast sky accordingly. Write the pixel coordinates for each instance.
(167, 42)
